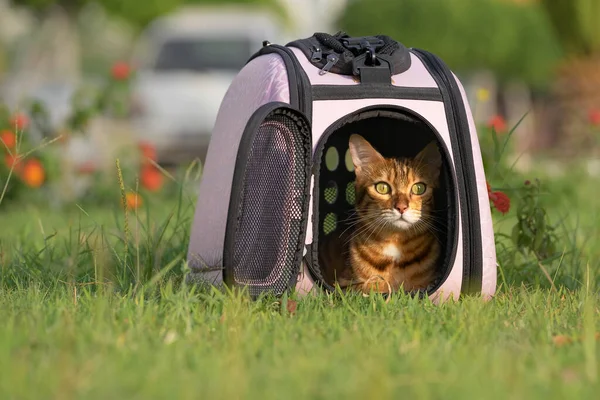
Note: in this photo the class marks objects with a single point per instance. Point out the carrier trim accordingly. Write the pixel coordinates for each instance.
(459, 128)
(367, 91)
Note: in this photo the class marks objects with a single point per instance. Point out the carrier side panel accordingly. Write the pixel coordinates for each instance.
(261, 81)
(489, 276)
(416, 76)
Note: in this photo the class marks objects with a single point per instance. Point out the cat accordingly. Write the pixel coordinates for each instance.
(392, 244)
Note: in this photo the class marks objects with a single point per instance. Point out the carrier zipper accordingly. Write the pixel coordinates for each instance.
(331, 60)
(317, 54)
(458, 124)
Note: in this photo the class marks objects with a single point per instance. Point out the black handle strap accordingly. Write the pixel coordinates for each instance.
(373, 58)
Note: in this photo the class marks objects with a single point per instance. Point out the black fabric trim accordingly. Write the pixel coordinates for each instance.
(299, 84)
(239, 176)
(373, 112)
(391, 56)
(379, 75)
(462, 148)
(364, 91)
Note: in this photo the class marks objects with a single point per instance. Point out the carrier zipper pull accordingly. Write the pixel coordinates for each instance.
(331, 60)
(317, 55)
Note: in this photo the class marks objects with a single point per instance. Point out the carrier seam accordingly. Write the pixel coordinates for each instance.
(362, 91)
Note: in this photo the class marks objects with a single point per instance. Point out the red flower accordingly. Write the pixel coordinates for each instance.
(148, 151)
(120, 71)
(594, 116)
(13, 161)
(9, 139)
(86, 168)
(499, 199)
(19, 122)
(151, 178)
(497, 123)
(501, 202)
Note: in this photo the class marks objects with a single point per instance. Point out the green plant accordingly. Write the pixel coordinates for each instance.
(533, 232)
(576, 25)
(29, 164)
(576, 90)
(515, 41)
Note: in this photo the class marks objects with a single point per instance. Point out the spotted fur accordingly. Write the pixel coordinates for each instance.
(391, 244)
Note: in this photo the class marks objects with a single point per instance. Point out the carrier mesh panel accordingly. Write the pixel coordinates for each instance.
(272, 203)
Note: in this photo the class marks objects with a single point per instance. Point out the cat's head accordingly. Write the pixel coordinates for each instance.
(394, 193)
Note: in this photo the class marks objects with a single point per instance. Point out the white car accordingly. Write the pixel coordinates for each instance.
(185, 63)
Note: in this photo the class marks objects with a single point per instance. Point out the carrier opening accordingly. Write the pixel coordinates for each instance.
(394, 132)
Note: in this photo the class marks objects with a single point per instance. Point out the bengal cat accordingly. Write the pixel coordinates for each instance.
(391, 244)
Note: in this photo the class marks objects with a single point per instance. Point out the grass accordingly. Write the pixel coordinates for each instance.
(90, 310)
(54, 344)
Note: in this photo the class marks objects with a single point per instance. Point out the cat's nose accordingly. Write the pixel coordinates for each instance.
(401, 207)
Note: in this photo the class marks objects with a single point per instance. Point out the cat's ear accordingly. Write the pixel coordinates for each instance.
(362, 153)
(431, 160)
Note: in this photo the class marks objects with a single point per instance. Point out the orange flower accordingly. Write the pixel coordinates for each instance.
(148, 151)
(133, 200)
(33, 173)
(19, 122)
(497, 123)
(151, 178)
(120, 71)
(594, 116)
(9, 139)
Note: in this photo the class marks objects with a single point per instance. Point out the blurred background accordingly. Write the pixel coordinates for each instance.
(106, 110)
(109, 76)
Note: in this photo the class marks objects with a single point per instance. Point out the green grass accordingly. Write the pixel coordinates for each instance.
(90, 310)
(184, 345)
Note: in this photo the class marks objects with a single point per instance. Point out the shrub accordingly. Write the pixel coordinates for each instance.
(515, 41)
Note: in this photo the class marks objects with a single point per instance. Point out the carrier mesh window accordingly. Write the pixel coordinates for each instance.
(330, 194)
(394, 133)
(329, 223)
(350, 193)
(269, 204)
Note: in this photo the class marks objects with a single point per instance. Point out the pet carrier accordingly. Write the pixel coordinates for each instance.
(278, 175)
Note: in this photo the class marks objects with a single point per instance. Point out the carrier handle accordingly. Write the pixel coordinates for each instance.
(346, 55)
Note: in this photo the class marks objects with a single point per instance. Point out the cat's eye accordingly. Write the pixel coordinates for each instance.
(418, 188)
(383, 188)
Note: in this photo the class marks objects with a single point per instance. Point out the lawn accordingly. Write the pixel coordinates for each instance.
(93, 308)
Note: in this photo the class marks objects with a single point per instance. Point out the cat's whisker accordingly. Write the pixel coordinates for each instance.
(382, 223)
(363, 229)
(371, 225)
(357, 221)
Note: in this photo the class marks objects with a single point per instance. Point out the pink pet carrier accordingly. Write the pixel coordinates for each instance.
(277, 175)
